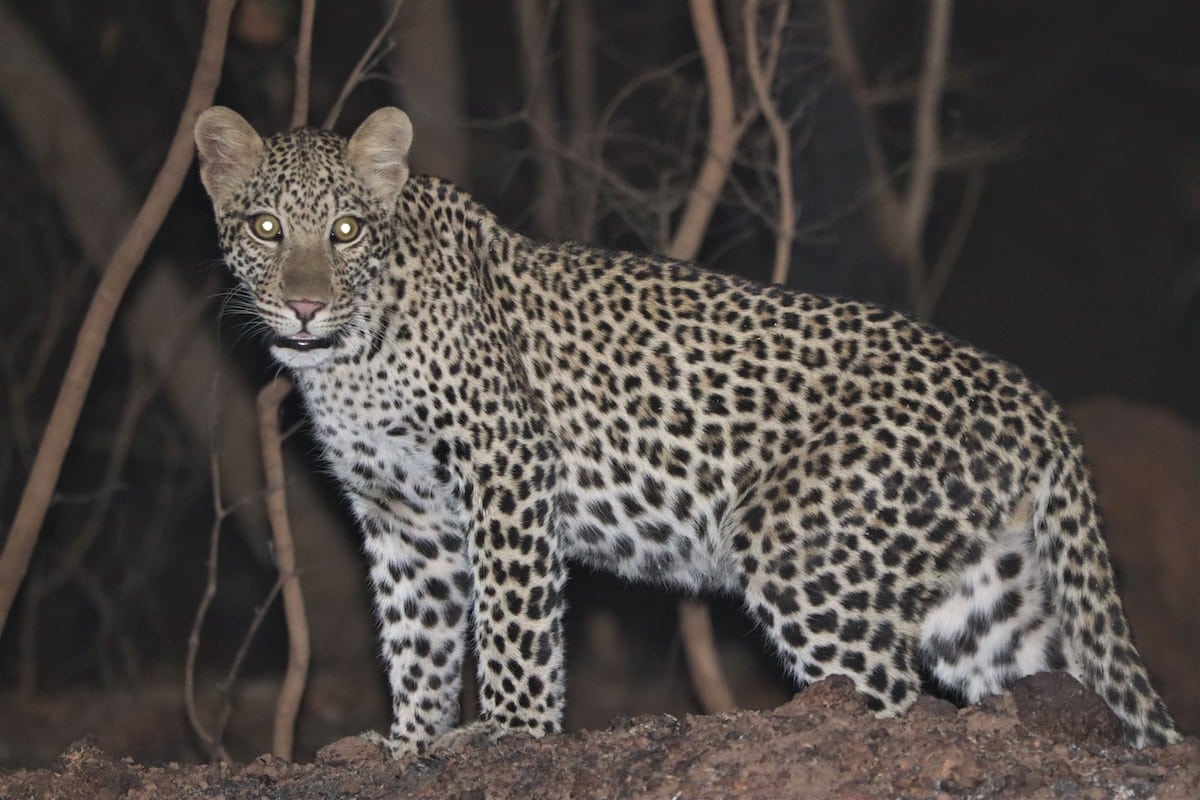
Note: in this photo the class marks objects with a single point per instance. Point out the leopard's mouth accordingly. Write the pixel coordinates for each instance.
(304, 341)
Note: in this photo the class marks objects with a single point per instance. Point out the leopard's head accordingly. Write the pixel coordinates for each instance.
(305, 220)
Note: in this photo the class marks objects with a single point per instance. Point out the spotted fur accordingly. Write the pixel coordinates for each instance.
(888, 503)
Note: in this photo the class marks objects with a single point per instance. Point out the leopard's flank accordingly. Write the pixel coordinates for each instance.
(889, 504)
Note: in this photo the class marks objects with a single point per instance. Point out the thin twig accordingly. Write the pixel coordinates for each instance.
(226, 687)
(926, 133)
(785, 231)
(588, 161)
(368, 58)
(722, 133)
(533, 33)
(143, 388)
(292, 691)
(695, 626)
(704, 667)
(935, 284)
(303, 61)
(60, 430)
(580, 78)
(27, 662)
(212, 745)
(845, 58)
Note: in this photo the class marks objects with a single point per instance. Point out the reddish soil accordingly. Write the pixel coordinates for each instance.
(1049, 739)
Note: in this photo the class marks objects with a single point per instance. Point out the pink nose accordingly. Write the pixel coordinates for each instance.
(305, 309)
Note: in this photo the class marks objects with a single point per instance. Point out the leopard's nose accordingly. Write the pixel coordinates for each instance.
(305, 309)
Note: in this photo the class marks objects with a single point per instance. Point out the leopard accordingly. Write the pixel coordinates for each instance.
(886, 502)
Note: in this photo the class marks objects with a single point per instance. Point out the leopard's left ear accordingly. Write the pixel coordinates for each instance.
(378, 151)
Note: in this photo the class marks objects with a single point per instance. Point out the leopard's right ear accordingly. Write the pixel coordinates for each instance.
(229, 152)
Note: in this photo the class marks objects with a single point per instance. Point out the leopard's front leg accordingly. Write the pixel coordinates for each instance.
(420, 579)
(519, 578)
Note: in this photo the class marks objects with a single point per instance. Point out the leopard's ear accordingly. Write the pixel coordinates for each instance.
(229, 152)
(378, 151)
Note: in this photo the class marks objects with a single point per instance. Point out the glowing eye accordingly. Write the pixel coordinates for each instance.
(345, 229)
(266, 226)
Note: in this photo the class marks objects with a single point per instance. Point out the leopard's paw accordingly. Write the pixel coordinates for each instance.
(471, 735)
(362, 749)
(393, 748)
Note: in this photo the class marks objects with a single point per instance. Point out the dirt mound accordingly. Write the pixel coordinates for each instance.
(1050, 738)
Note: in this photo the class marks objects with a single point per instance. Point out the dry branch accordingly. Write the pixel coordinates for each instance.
(901, 219)
(885, 204)
(695, 625)
(144, 386)
(210, 739)
(292, 691)
(39, 489)
(303, 60)
(366, 62)
(760, 80)
(235, 666)
(723, 133)
(580, 84)
(844, 55)
(533, 33)
(931, 289)
(926, 136)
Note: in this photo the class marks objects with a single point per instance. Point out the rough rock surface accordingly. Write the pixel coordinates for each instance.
(1049, 739)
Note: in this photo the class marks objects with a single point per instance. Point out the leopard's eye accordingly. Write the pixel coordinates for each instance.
(266, 227)
(345, 229)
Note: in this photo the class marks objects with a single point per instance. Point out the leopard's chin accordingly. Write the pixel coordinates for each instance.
(305, 350)
(304, 341)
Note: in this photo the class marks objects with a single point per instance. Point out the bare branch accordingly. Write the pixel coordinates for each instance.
(580, 49)
(303, 59)
(845, 58)
(722, 134)
(901, 219)
(533, 33)
(212, 745)
(842, 49)
(593, 161)
(931, 292)
(695, 626)
(926, 136)
(785, 230)
(60, 430)
(963, 79)
(144, 385)
(287, 707)
(292, 691)
(708, 679)
(370, 56)
(235, 666)
(580, 70)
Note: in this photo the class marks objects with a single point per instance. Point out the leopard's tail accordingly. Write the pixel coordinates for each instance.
(1095, 637)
